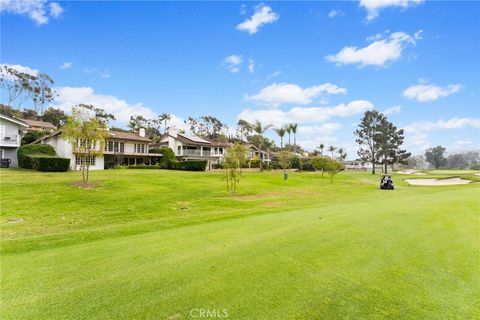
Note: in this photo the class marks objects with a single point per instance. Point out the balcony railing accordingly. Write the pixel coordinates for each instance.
(10, 140)
(198, 152)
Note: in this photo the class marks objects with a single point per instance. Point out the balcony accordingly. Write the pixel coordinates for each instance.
(12, 140)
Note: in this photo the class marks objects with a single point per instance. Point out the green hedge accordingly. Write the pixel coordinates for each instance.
(190, 165)
(49, 163)
(25, 153)
(144, 166)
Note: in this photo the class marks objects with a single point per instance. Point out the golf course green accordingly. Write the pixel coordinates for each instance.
(157, 244)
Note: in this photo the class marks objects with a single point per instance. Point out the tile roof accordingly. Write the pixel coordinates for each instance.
(127, 136)
(37, 123)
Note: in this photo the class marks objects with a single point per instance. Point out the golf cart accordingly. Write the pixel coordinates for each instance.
(386, 183)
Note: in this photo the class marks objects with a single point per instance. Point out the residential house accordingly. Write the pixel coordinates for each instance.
(37, 125)
(189, 147)
(361, 166)
(11, 133)
(121, 148)
(256, 153)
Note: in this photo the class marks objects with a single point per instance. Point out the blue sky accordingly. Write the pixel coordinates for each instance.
(320, 64)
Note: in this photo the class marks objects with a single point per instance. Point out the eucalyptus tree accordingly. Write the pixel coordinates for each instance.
(41, 91)
(17, 84)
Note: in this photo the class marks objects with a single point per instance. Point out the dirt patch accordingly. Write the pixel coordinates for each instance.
(84, 185)
(437, 182)
(15, 220)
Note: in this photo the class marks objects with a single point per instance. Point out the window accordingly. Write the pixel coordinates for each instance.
(110, 146)
(122, 147)
(115, 147)
(143, 148)
(88, 160)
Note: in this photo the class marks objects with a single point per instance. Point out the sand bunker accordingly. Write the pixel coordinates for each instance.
(477, 174)
(411, 171)
(436, 182)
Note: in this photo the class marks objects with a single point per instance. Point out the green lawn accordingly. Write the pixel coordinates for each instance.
(154, 244)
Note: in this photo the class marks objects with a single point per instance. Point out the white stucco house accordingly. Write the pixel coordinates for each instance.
(121, 148)
(11, 132)
(190, 147)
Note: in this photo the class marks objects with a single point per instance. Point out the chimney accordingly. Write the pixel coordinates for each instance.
(141, 132)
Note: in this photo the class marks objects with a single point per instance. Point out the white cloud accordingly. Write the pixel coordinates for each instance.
(279, 93)
(324, 128)
(312, 144)
(417, 133)
(21, 68)
(430, 92)
(70, 96)
(463, 142)
(55, 9)
(102, 73)
(454, 123)
(233, 62)
(263, 15)
(279, 117)
(381, 51)
(66, 65)
(251, 66)
(373, 7)
(392, 110)
(335, 13)
(38, 10)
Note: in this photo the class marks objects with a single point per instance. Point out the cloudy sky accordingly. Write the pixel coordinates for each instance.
(319, 64)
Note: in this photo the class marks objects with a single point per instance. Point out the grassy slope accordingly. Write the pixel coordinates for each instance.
(355, 252)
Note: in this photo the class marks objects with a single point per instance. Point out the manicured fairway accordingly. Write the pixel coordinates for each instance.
(151, 244)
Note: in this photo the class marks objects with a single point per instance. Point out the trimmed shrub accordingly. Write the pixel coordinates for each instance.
(307, 166)
(25, 153)
(296, 163)
(190, 165)
(49, 163)
(168, 160)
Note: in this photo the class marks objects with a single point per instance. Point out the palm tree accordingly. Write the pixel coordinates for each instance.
(260, 129)
(321, 147)
(165, 117)
(288, 129)
(294, 127)
(342, 154)
(281, 133)
(332, 149)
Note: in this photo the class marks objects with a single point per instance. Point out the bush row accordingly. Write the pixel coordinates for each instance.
(50, 164)
(190, 165)
(25, 153)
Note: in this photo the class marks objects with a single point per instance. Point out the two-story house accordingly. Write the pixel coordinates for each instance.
(11, 133)
(189, 147)
(121, 148)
